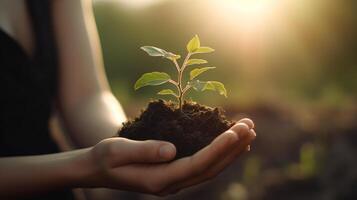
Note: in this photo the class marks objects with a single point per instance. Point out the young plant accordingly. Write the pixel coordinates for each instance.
(158, 78)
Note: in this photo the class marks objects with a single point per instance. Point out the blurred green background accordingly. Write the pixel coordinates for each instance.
(291, 66)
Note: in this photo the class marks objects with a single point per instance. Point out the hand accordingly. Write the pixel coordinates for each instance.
(143, 166)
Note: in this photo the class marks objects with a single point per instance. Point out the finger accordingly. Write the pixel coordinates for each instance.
(217, 168)
(125, 151)
(244, 145)
(197, 164)
(242, 129)
(240, 149)
(167, 175)
(247, 121)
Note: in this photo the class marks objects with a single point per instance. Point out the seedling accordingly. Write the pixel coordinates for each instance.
(159, 78)
(188, 125)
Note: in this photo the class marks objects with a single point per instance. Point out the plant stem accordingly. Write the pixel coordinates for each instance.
(184, 64)
(179, 80)
(185, 89)
(179, 84)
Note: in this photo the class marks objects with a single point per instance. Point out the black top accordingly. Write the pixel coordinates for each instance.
(27, 90)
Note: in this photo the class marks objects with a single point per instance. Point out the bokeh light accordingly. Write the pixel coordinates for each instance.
(289, 65)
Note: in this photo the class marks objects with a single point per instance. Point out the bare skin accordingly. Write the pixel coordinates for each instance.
(119, 163)
(92, 114)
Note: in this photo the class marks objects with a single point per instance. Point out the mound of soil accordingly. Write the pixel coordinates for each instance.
(189, 131)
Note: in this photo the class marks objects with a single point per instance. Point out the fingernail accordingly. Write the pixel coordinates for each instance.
(166, 151)
(241, 129)
(254, 133)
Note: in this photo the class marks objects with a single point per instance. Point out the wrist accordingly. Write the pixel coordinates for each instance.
(82, 169)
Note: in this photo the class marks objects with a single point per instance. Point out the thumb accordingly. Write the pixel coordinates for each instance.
(148, 151)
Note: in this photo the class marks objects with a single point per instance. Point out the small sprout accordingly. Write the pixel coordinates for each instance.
(167, 92)
(154, 51)
(209, 85)
(204, 50)
(196, 62)
(159, 78)
(197, 71)
(193, 44)
(152, 78)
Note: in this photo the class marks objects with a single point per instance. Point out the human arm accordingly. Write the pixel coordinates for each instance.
(80, 81)
(88, 108)
(23, 176)
(123, 164)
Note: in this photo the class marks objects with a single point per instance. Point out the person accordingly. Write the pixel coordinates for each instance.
(50, 59)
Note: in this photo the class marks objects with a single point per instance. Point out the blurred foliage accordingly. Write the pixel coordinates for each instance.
(251, 170)
(307, 165)
(306, 55)
(289, 65)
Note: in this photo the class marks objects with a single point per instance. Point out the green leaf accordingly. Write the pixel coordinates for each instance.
(195, 62)
(204, 50)
(167, 92)
(197, 85)
(216, 86)
(197, 71)
(154, 51)
(193, 44)
(152, 78)
(209, 85)
(171, 56)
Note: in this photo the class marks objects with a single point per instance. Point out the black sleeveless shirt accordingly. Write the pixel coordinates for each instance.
(28, 87)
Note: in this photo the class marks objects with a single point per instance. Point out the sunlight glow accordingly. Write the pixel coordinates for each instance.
(249, 8)
(269, 36)
(248, 22)
(247, 11)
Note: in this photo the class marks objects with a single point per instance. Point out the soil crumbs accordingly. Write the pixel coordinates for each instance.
(190, 130)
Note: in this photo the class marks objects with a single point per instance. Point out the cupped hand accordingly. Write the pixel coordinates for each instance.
(144, 166)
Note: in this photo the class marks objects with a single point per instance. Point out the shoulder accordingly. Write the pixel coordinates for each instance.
(15, 21)
(10, 13)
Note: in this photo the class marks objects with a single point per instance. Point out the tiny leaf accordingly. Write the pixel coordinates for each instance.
(193, 44)
(204, 50)
(152, 78)
(209, 85)
(195, 62)
(197, 71)
(216, 86)
(167, 92)
(198, 85)
(171, 56)
(154, 51)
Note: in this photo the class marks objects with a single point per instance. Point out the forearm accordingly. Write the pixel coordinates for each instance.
(29, 175)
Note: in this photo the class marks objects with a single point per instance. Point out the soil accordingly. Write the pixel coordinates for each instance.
(189, 131)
